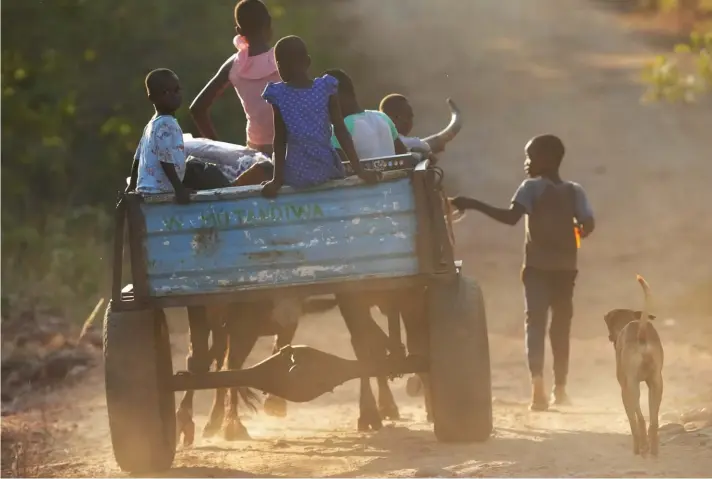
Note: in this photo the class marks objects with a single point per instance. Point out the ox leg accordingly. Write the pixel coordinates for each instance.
(387, 406)
(275, 405)
(218, 353)
(413, 311)
(242, 336)
(198, 362)
(357, 316)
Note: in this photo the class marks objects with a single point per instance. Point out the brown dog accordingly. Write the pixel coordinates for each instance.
(639, 357)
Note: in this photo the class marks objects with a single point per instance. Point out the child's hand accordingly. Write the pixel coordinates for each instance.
(460, 202)
(370, 176)
(183, 196)
(270, 189)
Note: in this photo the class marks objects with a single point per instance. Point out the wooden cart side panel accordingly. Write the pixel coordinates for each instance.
(356, 231)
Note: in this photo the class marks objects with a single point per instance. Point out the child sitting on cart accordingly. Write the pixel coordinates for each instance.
(159, 162)
(248, 71)
(374, 134)
(399, 110)
(304, 110)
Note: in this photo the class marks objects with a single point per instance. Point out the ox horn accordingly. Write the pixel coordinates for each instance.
(438, 141)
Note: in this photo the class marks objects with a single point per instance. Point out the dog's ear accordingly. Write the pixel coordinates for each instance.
(637, 315)
(608, 318)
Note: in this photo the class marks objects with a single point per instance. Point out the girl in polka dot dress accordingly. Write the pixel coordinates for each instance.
(304, 111)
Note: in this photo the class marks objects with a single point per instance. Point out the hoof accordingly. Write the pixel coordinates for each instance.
(275, 406)
(539, 406)
(389, 411)
(185, 427)
(654, 450)
(211, 429)
(414, 386)
(644, 449)
(233, 430)
(367, 424)
(559, 397)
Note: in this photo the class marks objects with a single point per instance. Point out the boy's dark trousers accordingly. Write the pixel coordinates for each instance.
(202, 175)
(544, 290)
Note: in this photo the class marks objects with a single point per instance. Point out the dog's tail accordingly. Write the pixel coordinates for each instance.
(643, 326)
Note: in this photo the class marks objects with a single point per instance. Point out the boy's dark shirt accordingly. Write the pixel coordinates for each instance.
(551, 209)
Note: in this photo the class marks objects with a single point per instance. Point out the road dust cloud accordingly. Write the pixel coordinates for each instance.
(520, 68)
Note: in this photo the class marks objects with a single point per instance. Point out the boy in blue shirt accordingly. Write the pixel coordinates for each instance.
(159, 162)
(551, 206)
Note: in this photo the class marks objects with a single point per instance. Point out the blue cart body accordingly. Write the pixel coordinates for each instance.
(227, 242)
(233, 245)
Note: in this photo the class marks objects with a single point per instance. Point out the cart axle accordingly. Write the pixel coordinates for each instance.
(298, 373)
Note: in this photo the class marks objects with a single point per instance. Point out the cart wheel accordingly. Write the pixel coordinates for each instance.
(137, 365)
(459, 361)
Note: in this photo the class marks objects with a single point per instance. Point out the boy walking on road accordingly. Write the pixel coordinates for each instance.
(557, 215)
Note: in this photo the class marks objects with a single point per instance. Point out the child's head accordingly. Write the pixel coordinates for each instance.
(398, 108)
(543, 155)
(346, 90)
(163, 88)
(292, 58)
(253, 21)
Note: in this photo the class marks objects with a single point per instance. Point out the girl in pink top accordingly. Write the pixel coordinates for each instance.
(248, 71)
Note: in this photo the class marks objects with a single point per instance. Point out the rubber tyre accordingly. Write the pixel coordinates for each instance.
(460, 376)
(137, 366)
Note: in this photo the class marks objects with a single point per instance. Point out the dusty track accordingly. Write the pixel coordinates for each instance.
(589, 438)
(517, 68)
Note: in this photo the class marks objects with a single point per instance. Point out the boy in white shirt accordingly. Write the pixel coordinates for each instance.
(374, 135)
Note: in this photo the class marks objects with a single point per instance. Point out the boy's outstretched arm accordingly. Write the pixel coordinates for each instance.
(510, 216)
(200, 108)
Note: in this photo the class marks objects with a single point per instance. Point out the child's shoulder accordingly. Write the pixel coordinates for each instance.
(328, 81)
(273, 90)
(168, 121)
(164, 126)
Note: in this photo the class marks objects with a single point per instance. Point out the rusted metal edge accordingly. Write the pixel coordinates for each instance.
(237, 192)
(131, 301)
(443, 254)
(137, 249)
(423, 239)
(117, 260)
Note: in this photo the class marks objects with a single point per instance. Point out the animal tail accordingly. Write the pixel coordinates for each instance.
(90, 319)
(250, 398)
(643, 326)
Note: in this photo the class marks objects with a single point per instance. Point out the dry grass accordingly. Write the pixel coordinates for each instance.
(25, 440)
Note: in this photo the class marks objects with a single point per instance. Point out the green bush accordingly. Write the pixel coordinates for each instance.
(685, 75)
(73, 108)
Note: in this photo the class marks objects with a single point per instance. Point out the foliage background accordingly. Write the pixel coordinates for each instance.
(73, 108)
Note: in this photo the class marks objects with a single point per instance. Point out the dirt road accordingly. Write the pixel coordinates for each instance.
(517, 68)
(589, 438)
